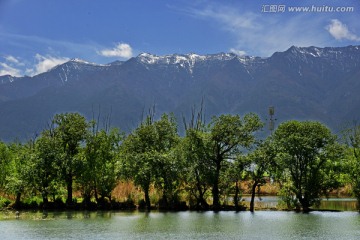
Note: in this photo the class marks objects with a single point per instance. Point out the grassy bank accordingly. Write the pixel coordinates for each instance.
(126, 196)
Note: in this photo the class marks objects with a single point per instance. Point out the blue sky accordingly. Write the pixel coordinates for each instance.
(36, 35)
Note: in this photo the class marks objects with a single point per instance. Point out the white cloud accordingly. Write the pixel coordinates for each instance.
(238, 52)
(340, 31)
(10, 66)
(14, 67)
(12, 59)
(229, 16)
(261, 34)
(84, 50)
(5, 69)
(29, 71)
(122, 50)
(45, 63)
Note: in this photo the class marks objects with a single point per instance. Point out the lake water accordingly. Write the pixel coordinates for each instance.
(340, 204)
(181, 225)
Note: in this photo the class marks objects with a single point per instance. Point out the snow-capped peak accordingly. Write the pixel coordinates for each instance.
(7, 79)
(188, 61)
(182, 58)
(148, 58)
(78, 60)
(318, 51)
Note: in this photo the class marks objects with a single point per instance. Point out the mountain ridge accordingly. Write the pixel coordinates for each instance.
(302, 83)
(152, 58)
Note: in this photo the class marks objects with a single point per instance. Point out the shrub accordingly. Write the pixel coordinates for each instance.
(4, 202)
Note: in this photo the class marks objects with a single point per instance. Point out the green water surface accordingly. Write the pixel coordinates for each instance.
(181, 225)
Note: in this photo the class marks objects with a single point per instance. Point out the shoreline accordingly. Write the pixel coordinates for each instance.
(265, 203)
(79, 214)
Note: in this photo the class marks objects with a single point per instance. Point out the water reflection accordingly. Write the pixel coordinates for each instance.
(183, 225)
(338, 204)
(266, 202)
(341, 204)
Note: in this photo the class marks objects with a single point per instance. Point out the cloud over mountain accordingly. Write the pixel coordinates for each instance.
(122, 50)
(304, 83)
(340, 31)
(45, 63)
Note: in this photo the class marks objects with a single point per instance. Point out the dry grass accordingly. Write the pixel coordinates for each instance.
(266, 189)
(126, 190)
(342, 192)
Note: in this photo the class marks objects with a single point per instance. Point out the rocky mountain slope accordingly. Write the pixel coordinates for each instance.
(302, 83)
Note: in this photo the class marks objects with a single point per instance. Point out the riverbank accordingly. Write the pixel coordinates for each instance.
(263, 203)
(126, 196)
(341, 205)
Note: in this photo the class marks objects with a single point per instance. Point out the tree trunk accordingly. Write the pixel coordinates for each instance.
(147, 199)
(86, 201)
(45, 194)
(252, 201)
(45, 200)
(164, 203)
(69, 182)
(96, 195)
(306, 209)
(215, 192)
(236, 196)
(215, 189)
(201, 203)
(305, 205)
(17, 200)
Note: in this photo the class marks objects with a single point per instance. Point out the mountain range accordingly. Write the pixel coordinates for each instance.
(303, 83)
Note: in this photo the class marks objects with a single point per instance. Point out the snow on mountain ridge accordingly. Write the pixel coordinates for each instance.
(81, 61)
(7, 79)
(177, 58)
(188, 61)
(326, 52)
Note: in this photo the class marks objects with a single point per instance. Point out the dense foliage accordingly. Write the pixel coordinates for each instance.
(202, 169)
(352, 142)
(308, 157)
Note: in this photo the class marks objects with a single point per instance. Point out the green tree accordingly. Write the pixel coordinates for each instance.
(70, 130)
(17, 181)
(137, 155)
(310, 154)
(100, 169)
(5, 160)
(107, 171)
(195, 152)
(352, 141)
(166, 141)
(146, 155)
(229, 135)
(234, 174)
(86, 179)
(43, 172)
(262, 160)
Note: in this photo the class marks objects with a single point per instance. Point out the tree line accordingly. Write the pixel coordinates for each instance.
(203, 168)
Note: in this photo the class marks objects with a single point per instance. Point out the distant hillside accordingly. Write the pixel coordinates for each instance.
(302, 83)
